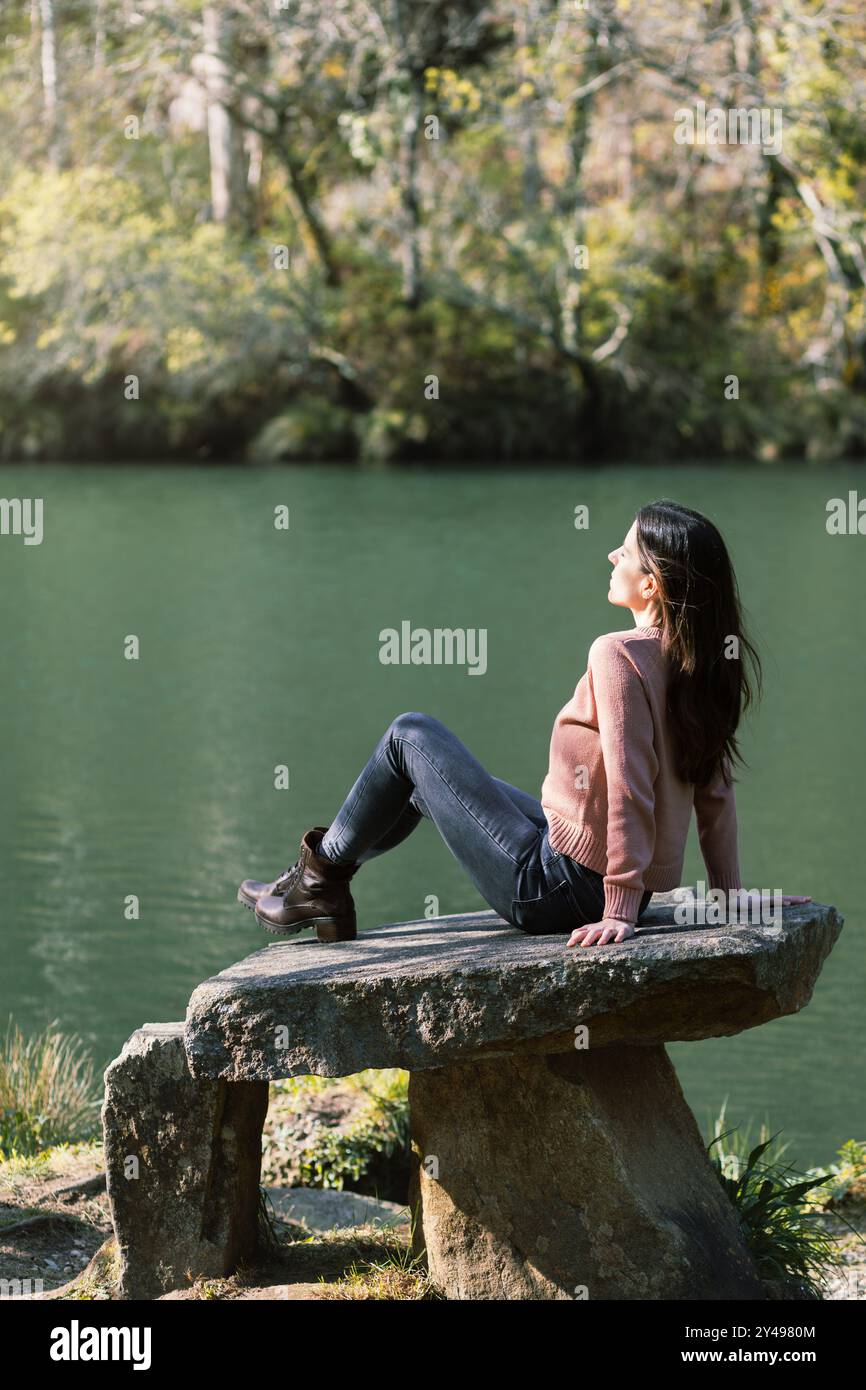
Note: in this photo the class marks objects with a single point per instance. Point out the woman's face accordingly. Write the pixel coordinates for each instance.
(628, 582)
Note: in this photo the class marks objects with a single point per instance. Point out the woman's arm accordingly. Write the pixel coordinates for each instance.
(625, 725)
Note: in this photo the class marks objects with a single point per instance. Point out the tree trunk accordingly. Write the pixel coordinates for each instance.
(304, 207)
(225, 136)
(572, 202)
(410, 247)
(99, 34)
(48, 60)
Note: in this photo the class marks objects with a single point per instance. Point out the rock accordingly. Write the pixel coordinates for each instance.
(325, 1209)
(554, 1153)
(581, 1175)
(424, 993)
(182, 1161)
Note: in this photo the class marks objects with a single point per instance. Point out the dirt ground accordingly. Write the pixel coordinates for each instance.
(68, 1228)
(67, 1245)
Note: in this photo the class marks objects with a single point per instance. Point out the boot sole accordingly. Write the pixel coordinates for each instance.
(327, 928)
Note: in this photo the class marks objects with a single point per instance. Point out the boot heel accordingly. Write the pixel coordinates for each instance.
(336, 929)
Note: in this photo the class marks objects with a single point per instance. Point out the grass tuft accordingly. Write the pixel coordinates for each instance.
(47, 1092)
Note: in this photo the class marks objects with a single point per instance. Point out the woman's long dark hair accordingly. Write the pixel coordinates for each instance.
(702, 635)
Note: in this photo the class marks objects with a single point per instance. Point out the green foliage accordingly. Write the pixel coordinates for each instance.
(446, 253)
(777, 1214)
(849, 1175)
(379, 1129)
(46, 1092)
(309, 430)
(101, 291)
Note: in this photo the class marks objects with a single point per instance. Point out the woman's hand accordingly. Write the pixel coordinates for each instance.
(607, 930)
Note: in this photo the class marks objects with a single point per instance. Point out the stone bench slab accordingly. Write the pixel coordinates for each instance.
(435, 992)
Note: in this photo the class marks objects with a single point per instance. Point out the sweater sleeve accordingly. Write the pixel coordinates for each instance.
(716, 815)
(631, 766)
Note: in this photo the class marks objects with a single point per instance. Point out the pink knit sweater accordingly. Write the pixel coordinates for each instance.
(612, 797)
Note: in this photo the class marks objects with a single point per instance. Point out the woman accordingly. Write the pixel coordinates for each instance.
(648, 734)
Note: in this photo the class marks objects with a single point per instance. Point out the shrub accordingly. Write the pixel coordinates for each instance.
(370, 1153)
(776, 1215)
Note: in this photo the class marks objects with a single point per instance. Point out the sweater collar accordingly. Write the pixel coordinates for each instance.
(650, 631)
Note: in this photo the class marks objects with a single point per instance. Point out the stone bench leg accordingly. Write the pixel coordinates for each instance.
(570, 1175)
(183, 1163)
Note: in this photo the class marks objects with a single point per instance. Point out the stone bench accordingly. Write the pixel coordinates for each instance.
(554, 1155)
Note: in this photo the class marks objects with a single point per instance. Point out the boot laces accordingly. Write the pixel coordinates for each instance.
(287, 879)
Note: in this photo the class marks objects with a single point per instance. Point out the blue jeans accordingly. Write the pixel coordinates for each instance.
(499, 833)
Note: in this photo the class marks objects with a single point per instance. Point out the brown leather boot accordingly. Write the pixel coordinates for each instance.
(252, 889)
(314, 892)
